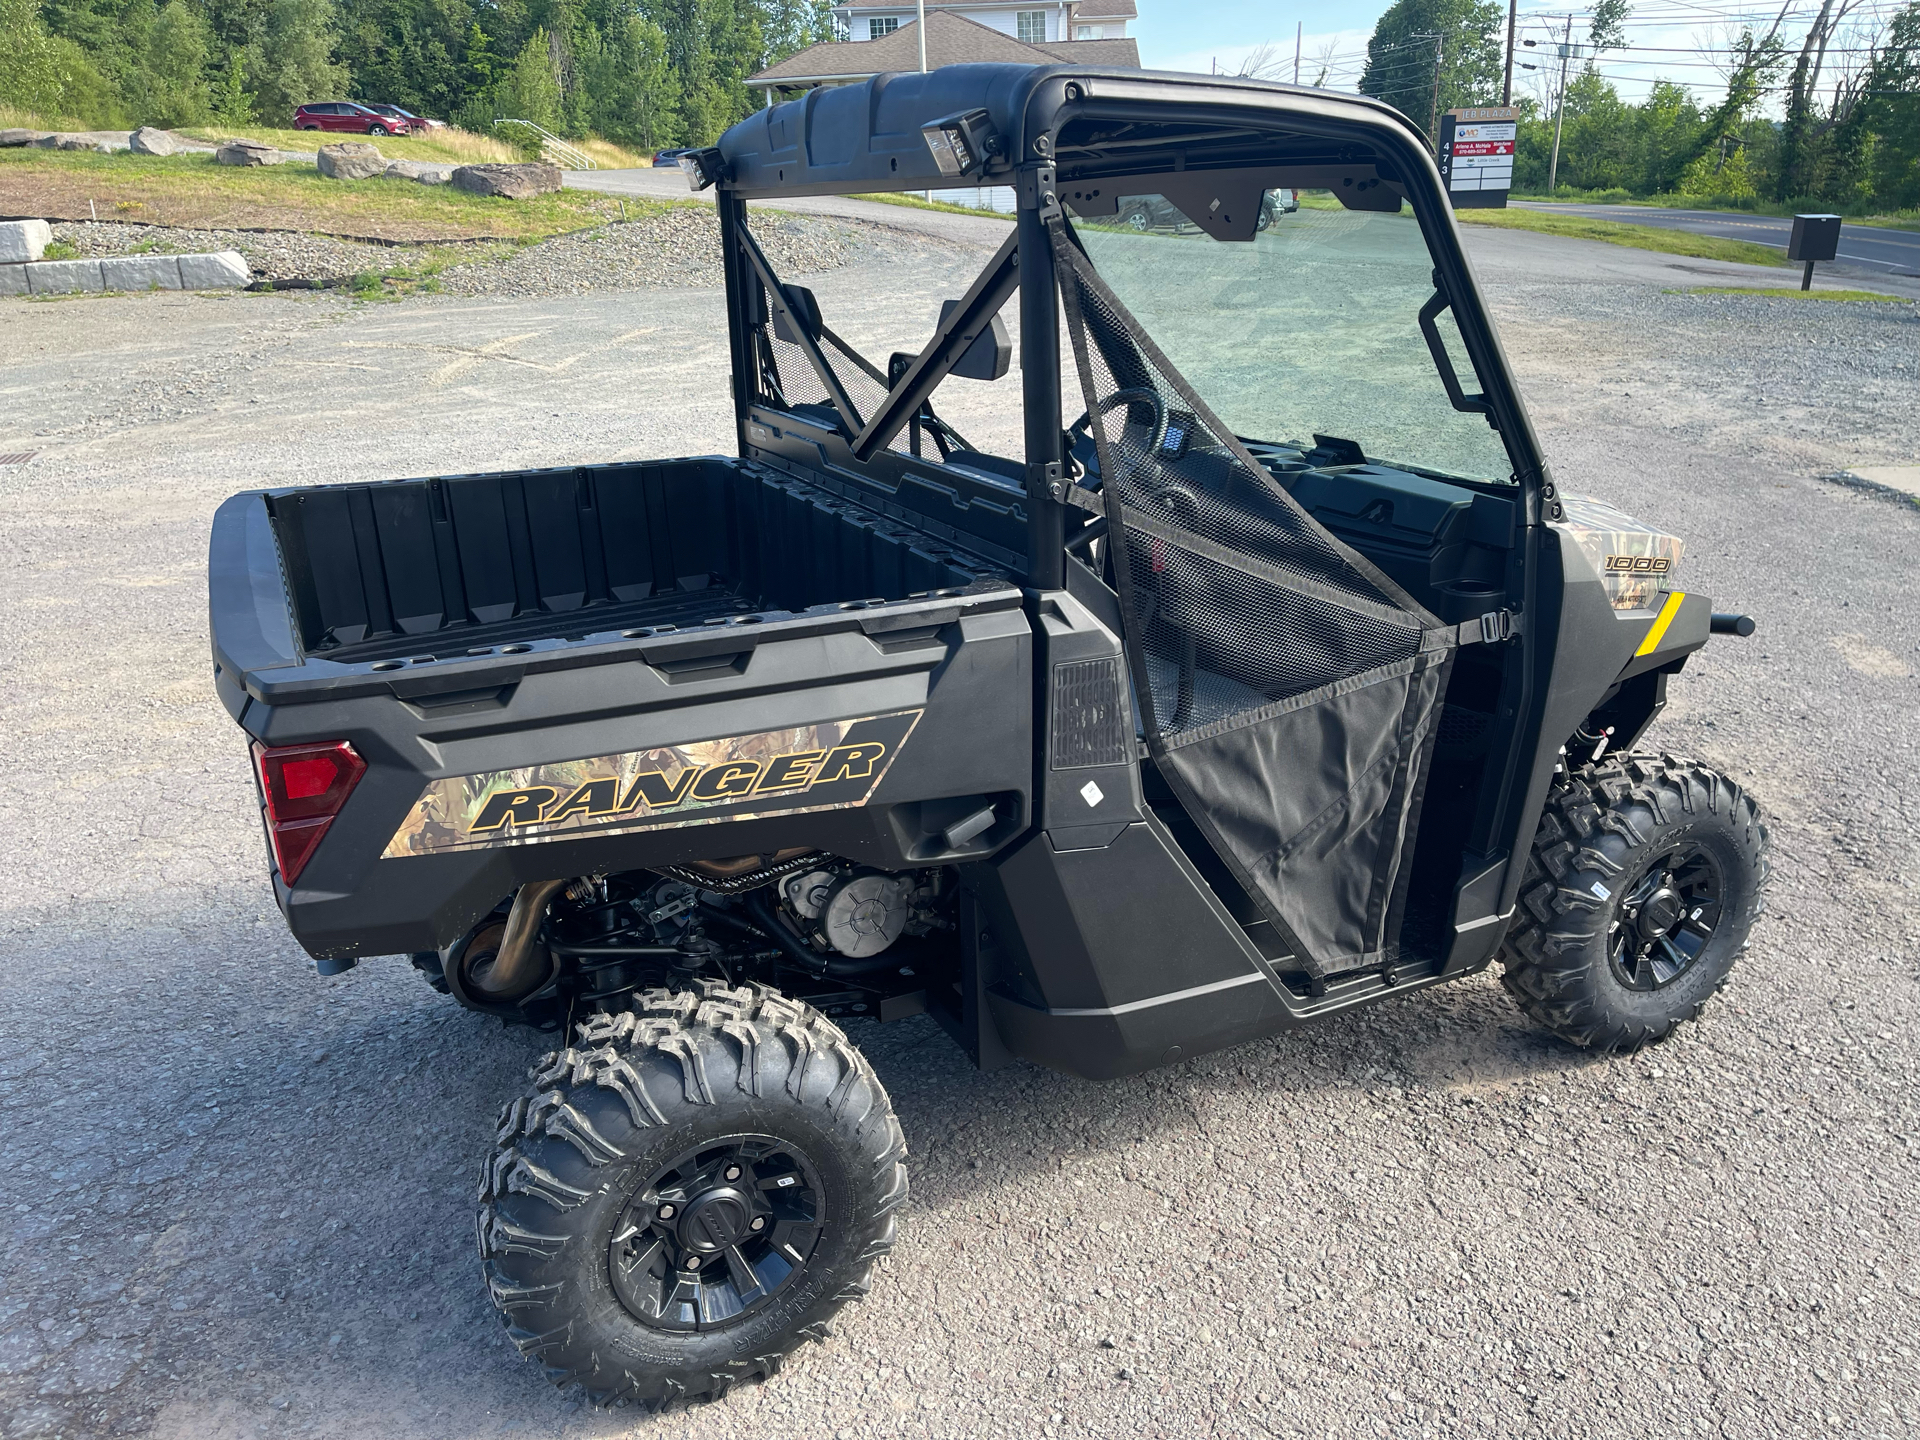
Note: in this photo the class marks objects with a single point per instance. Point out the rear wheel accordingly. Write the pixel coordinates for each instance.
(1645, 880)
(696, 1187)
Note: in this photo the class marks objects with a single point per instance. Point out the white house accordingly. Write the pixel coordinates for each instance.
(886, 37)
(1026, 20)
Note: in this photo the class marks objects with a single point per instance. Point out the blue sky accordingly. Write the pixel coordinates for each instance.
(1180, 35)
(1671, 39)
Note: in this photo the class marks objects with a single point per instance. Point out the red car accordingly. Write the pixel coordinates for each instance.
(408, 121)
(345, 115)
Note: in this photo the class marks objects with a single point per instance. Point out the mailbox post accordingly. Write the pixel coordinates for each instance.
(1815, 237)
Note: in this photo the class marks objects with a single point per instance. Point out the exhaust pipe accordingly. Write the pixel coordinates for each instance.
(514, 970)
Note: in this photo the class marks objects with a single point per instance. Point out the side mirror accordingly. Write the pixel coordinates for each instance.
(990, 354)
(805, 310)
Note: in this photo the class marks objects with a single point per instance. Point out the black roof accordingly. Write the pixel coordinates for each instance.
(867, 136)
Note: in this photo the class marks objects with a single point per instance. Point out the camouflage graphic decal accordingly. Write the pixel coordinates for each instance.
(1636, 564)
(832, 766)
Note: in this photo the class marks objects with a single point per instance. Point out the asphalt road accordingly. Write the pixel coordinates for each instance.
(236, 1200)
(1870, 247)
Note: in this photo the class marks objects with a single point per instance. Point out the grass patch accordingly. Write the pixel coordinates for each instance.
(1730, 205)
(192, 192)
(455, 147)
(1793, 293)
(614, 157)
(915, 202)
(1638, 237)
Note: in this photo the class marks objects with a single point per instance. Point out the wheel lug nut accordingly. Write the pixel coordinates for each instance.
(692, 1262)
(666, 1212)
(733, 1172)
(759, 1223)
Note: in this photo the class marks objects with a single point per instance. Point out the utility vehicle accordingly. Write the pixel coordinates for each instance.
(1281, 681)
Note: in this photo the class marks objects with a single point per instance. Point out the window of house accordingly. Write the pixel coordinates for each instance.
(1031, 25)
(1086, 32)
(883, 26)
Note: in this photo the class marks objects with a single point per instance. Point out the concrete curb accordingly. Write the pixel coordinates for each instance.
(222, 270)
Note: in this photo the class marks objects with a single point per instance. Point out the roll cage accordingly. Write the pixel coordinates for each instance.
(1070, 142)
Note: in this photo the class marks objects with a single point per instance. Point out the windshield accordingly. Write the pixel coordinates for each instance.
(1312, 328)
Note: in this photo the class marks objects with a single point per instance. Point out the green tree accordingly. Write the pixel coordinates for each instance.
(408, 52)
(1608, 29)
(1880, 138)
(1417, 45)
(292, 60)
(47, 74)
(530, 88)
(627, 90)
(176, 71)
(232, 104)
(477, 61)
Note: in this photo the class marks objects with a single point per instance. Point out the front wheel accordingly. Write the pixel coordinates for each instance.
(1646, 877)
(695, 1188)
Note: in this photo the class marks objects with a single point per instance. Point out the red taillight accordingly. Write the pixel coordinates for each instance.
(304, 787)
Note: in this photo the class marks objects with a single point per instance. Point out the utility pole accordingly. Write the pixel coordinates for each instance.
(1506, 86)
(1433, 115)
(1560, 110)
(1300, 29)
(920, 28)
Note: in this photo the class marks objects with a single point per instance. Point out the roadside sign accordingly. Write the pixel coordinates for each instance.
(1476, 155)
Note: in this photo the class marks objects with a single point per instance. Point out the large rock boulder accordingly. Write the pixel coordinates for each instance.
(72, 140)
(149, 141)
(9, 139)
(351, 160)
(418, 170)
(514, 182)
(24, 240)
(248, 152)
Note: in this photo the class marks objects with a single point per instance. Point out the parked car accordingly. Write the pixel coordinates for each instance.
(1274, 204)
(411, 123)
(1154, 212)
(667, 159)
(347, 115)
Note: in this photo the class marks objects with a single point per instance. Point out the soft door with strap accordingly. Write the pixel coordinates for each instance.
(1287, 688)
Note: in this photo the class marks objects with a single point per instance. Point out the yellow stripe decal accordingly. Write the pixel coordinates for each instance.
(1661, 622)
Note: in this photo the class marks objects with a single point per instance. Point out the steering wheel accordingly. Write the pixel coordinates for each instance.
(1128, 397)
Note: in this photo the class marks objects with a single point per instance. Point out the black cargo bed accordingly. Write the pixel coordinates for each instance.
(656, 614)
(466, 564)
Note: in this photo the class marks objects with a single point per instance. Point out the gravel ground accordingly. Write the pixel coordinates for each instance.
(677, 247)
(238, 1198)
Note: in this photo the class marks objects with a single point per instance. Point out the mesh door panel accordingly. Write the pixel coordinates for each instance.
(1287, 688)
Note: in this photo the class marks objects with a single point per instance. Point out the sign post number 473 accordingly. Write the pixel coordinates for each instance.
(1476, 155)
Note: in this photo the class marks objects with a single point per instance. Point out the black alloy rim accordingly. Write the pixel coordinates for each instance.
(1666, 918)
(716, 1234)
